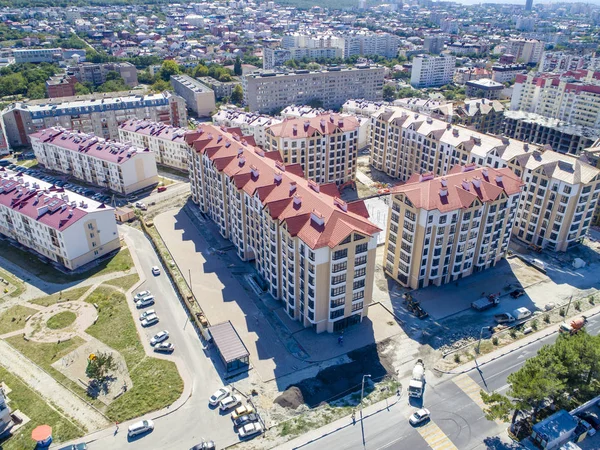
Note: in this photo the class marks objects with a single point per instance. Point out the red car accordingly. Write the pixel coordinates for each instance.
(161, 189)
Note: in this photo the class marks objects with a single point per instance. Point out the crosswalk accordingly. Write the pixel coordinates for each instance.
(435, 437)
(472, 389)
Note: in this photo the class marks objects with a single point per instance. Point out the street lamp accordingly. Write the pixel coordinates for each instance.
(480, 336)
(362, 393)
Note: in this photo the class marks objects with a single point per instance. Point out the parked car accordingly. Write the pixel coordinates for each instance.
(155, 270)
(590, 418)
(143, 426)
(145, 302)
(517, 293)
(250, 430)
(150, 320)
(419, 416)
(147, 314)
(218, 396)
(140, 295)
(242, 420)
(230, 402)
(204, 445)
(164, 347)
(242, 411)
(161, 189)
(159, 337)
(141, 206)
(80, 446)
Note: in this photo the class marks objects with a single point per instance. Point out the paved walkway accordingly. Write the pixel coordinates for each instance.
(37, 379)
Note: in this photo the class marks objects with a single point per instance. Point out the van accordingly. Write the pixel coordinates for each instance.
(146, 301)
(140, 427)
(538, 263)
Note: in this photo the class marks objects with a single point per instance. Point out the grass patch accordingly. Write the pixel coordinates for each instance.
(14, 318)
(36, 408)
(125, 282)
(29, 262)
(62, 296)
(29, 163)
(163, 181)
(18, 285)
(61, 320)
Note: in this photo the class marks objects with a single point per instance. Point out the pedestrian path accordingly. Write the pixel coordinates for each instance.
(435, 437)
(473, 390)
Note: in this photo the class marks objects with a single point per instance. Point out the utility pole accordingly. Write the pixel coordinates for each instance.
(362, 393)
(480, 336)
(568, 306)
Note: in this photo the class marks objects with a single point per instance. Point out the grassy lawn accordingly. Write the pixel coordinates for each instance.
(62, 296)
(156, 382)
(163, 181)
(125, 282)
(29, 163)
(19, 286)
(14, 318)
(36, 408)
(61, 320)
(29, 262)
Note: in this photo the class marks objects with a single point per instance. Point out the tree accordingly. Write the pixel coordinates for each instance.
(113, 75)
(36, 91)
(80, 89)
(160, 86)
(168, 68)
(100, 366)
(237, 67)
(237, 96)
(389, 92)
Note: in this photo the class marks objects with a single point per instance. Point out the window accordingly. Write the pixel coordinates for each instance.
(338, 279)
(358, 295)
(338, 291)
(361, 248)
(360, 272)
(339, 254)
(358, 284)
(339, 267)
(337, 303)
(337, 313)
(357, 306)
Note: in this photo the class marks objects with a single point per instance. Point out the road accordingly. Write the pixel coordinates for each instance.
(194, 420)
(455, 415)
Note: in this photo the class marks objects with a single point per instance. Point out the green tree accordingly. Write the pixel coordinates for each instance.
(168, 68)
(237, 96)
(389, 93)
(113, 75)
(160, 86)
(99, 368)
(80, 89)
(36, 91)
(237, 67)
(145, 77)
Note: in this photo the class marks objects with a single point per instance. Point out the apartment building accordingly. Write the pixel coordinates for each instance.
(434, 43)
(362, 108)
(561, 62)
(315, 251)
(326, 146)
(38, 55)
(591, 156)
(526, 51)
(119, 167)
(573, 97)
(506, 73)
(96, 73)
(404, 143)
(484, 88)
(198, 97)
(100, 115)
(167, 143)
(442, 229)
(541, 130)
(276, 57)
(367, 43)
(485, 116)
(220, 88)
(432, 71)
(62, 226)
(266, 92)
(251, 124)
(61, 86)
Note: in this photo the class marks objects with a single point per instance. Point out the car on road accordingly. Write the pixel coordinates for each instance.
(140, 295)
(250, 430)
(80, 446)
(242, 411)
(419, 416)
(204, 445)
(218, 396)
(143, 303)
(590, 418)
(161, 189)
(147, 313)
(243, 420)
(229, 402)
(143, 426)
(517, 293)
(164, 347)
(150, 320)
(141, 205)
(159, 337)
(155, 270)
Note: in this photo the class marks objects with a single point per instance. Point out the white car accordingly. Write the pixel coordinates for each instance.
(147, 313)
(146, 301)
(150, 320)
(218, 396)
(250, 429)
(230, 402)
(159, 337)
(141, 295)
(419, 416)
(141, 206)
(164, 347)
(140, 427)
(155, 270)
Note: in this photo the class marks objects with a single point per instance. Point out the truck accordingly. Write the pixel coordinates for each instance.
(517, 314)
(574, 326)
(416, 383)
(486, 302)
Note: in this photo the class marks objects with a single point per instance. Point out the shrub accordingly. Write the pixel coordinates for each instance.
(578, 305)
(534, 324)
(513, 333)
(591, 299)
(562, 312)
(456, 358)
(547, 318)
(495, 340)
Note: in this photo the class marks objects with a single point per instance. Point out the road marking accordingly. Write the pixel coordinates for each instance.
(435, 437)
(473, 391)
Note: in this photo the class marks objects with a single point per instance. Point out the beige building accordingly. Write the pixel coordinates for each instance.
(485, 116)
(404, 143)
(526, 51)
(253, 124)
(119, 167)
(326, 146)
(315, 251)
(166, 142)
(198, 97)
(441, 229)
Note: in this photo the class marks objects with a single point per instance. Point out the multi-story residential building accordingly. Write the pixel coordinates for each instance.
(506, 73)
(276, 57)
(198, 97)
(119, 167)
(434, 43)
(252, 124)
(541, 130)
(432, 71)
(463, 48)
(591, 156)
(96, 73)
(573, 97)
(362, 108)
(464, 74)
(38, 55)
(90, 114)
(166, 142)
(562, 62)
(404, 143)
(368, 43)
(267, 91)
(484, 88)
(442, 229)
(326, 146)
(60, 225)
(526, 51)
(315, 251)
(221, 89)
(61, 86)
(485, 116)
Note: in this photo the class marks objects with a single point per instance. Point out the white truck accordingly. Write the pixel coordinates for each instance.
(517, 314)
(416, 383)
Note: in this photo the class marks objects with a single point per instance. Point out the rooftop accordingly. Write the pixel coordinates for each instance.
(156, 129)
(191, 83)
(228, 341)
(557, 124)
(324, 124)
(486, 84)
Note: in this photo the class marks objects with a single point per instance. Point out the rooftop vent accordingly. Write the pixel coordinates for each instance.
(443, 192)
(277, 177)
(484, 171)
(455, 132)
(341, 203)
(426, 176)
(292, 187)
(499, 178)
(254, 170)
(444, 182)
(476, 182)
(314, 186)
(466, 185)
(297, 200)
(317, 217)
(241, 160)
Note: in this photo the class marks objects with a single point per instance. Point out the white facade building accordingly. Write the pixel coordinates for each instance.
(432, 71)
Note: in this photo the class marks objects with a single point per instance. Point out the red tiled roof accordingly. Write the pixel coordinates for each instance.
(429, 193)
(157, 129)
(253, 170)
(305, 127)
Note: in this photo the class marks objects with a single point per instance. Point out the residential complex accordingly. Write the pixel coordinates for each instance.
(485, 116)
(506, 73)
(484, 88)
(404, 143)
(315, 251)
(96, 73)
(526, 51)
(441, 229)
(166, 142)
(61, 86)
(325, 146)
(220, 88)
(434, 43)
(198, 97)
(276, 57)
(37, 55)
(432, 71)
(119, 167)
(252, 124)
(59, 225)
(266, 92)
(90, 114)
